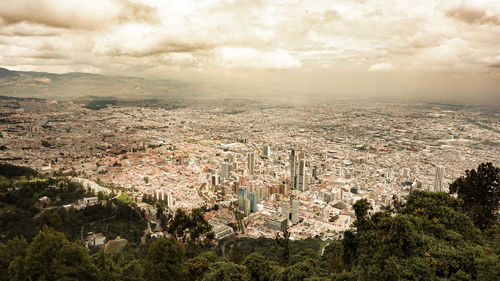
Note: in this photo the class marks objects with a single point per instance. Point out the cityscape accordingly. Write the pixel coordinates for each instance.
(284, 165)
(250, 140)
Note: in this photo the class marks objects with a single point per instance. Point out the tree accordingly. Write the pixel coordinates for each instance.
(13, 253)
(198, 266)
(283, 246)
(193, 230)
(349, 246)
(179, 224)
(43, 252)
(361, 208)
(51, 257)
(226, 271)
(104, 265)
(73, 263)
(332, 255)
(51, 219)
(133, 271)
(101, 196)
(479, 194)
(259, 268)
(12, 259)
(164, 260)
(236, 254)
(297, 272)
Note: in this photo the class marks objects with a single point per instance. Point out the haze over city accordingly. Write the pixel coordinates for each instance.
(441, 50)
(247, 140)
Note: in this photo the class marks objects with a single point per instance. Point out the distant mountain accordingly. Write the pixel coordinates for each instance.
(76, 84)
(4, 72)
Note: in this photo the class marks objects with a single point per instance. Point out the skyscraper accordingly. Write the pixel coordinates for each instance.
(295, 210)
(251, 163)
(247, 206)
(224, 170)
(253, 201)
(293, 164)
(301, 177)
(285, 210)
(438, 179)
(266, 150)
(242, 195)
(170, 200)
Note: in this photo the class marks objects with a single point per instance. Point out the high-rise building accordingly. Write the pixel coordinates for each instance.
(262, 193)
(170, 200)
(266, 150)
(242, 195)
(215, 180)
(251, 163)
(301, 177)
(405, 173)
(285, 210)
(295, 210)
(283, 189)
(277, 223)
(438, 179)
(159, 195)
(315, 172)
(253, 201)
(224, 170)
(247, 207)
(293, 167)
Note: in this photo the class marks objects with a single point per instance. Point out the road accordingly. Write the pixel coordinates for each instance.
(92, 185)
(146, 232)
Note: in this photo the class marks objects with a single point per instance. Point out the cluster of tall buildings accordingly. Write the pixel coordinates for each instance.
(289, 214)
(247, 201)
(415, 184)
(160, 195)
(298, 177)
(290, 210)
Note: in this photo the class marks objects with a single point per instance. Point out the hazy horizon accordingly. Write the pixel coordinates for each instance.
(433, 50)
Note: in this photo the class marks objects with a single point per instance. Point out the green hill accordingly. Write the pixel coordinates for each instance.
(429, 236)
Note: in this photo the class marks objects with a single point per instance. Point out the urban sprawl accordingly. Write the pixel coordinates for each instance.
(259, 166)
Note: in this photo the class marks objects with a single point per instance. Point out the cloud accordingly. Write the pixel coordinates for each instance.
(82, 14)
(29, 29)
(235, 57)
(451, 52)
(474, 15)
(491, 61)
(202, 40)
(146, 43)
(384, 66)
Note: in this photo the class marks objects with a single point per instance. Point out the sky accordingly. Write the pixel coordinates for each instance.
(427, 48)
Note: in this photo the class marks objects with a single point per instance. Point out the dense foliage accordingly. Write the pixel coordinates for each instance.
(11, 171)
(23, 214)
(20, 205)
(430, 236)
(479, 194)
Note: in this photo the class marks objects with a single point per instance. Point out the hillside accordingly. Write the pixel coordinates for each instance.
(430, 236)
(75, 84)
